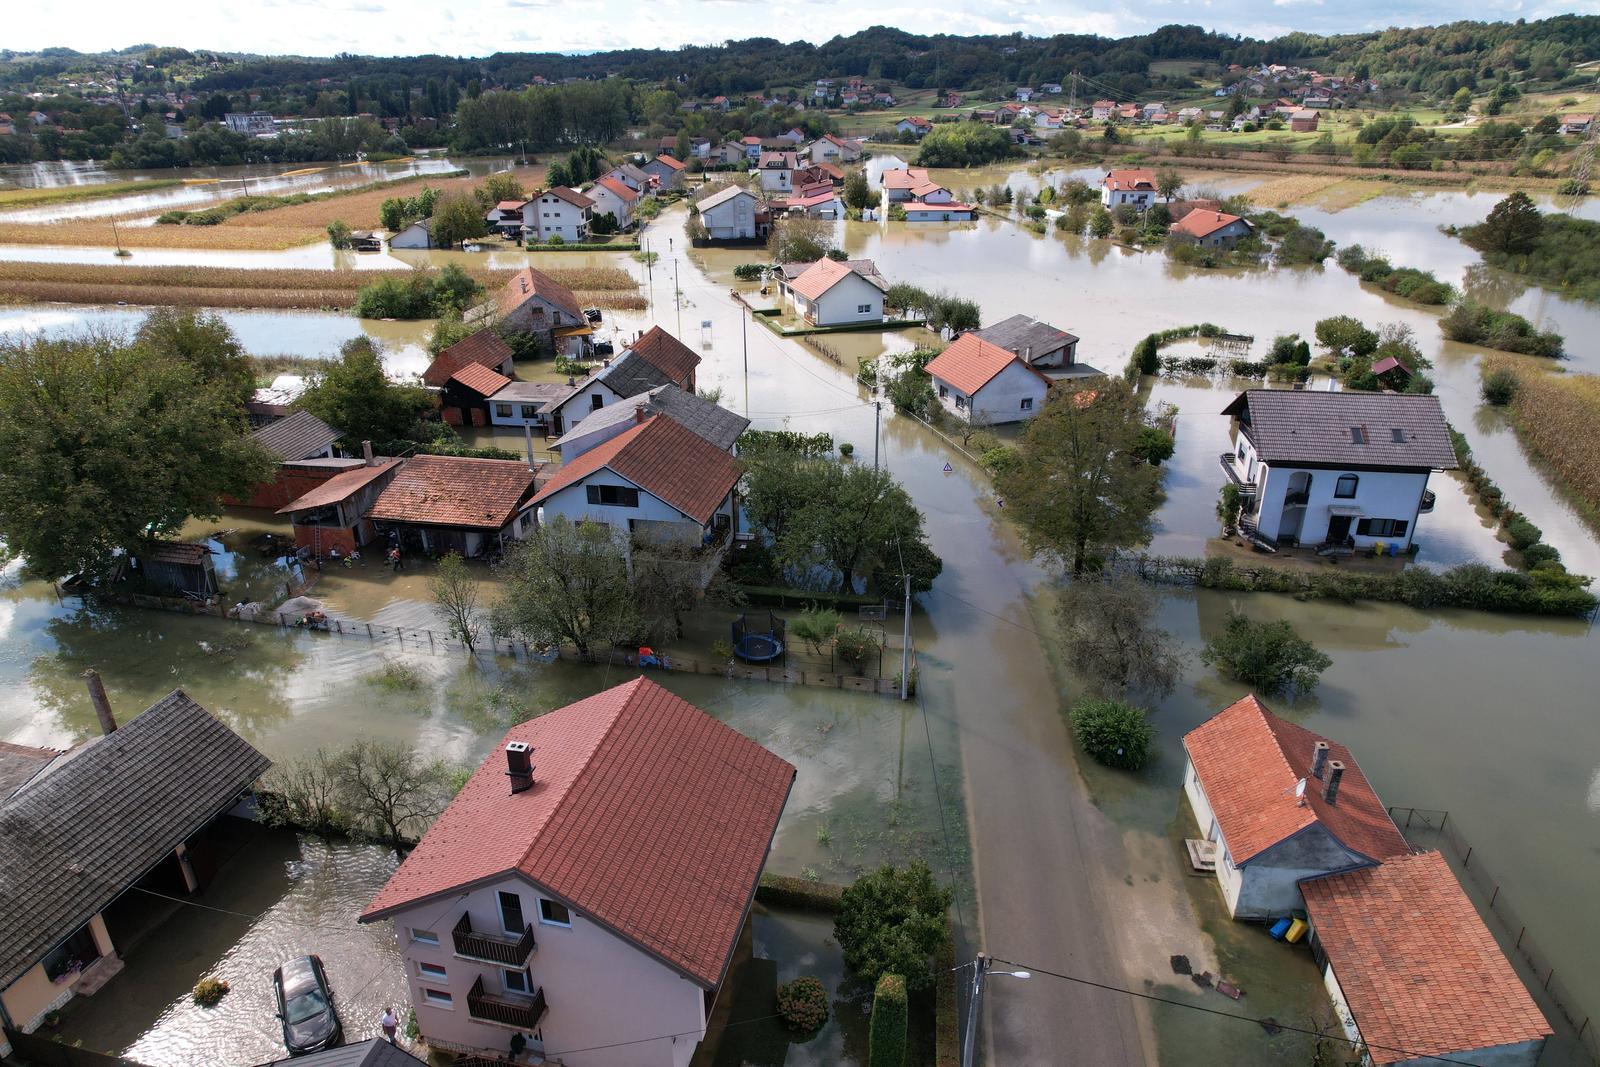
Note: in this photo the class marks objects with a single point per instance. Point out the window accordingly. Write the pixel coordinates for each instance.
(1382, 527)
(863, 309)
(511, 913)
(1027, 403)
(943, 392)
(432, 970)
(1345, 487)
(517, 982)
(554, 913)
(523, 520)
(1241, 450)
(529, 411)
(424, 937)
(502, 411)
(438, 998)
(613, 496)
(1358, 435)
(961, 402)
(1398, 435)
(596, 402)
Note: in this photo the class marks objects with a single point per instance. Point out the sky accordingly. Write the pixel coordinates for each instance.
(410, 27)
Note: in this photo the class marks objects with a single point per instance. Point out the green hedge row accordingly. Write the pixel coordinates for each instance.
(787, 597)
(585, 246)
(783, 891)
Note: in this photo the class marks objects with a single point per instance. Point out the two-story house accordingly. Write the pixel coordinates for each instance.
(1135, 186)
(557, 212)
(655, 358)
(584, 892)
(829, 293)
(733, 213)
(979, 381)
(667, 172)
(533, 302)
(613, 197)
(1038, 343)
(777, 171)
(1346, 468)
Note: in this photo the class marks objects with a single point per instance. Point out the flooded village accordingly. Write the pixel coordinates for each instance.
(644, 738)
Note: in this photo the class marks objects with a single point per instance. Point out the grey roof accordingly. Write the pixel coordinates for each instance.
(298, 435)
(1397, 431)
(78, 836)
(632, 375)
(633, 172)
(374, 1052)
(19, 763)
(723, 195)
(709, 421)
(1025, 334)
(534, 392)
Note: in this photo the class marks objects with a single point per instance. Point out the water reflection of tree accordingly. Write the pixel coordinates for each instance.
(1490, 286)
(235, 670)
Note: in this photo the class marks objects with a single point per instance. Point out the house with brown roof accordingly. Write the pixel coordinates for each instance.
(1212, 229)
(1304, 121)
(1038, 343)
(335, 514)
(1280, 804)
(1414, 974)
(557, 212)
(667, 172)
(655, 358)
(485, 347)
(440, 504)
(307, 451)
(612, 196)
(1135, 186)
(464, 400)
(656, 480)
(587, 887)
(831, 293)
(978, 381)
(777, 171)
(533, 302)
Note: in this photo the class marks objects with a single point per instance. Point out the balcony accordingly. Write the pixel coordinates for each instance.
(492, 948)
(520, 1013)
(1230, 467)
(1297, 499)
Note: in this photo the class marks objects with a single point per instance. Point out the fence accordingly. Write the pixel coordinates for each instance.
(1433, 827)
(41, 1051)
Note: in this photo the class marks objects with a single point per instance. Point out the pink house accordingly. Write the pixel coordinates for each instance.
(581, 897)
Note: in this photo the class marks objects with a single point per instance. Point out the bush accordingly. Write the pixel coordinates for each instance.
(1477, 324)
(208, 991)
(887, 1036)
(1538, 554)
(339, 234)
(856, 647)
(1269, 656)
(1113, 733)
(803, 1004)
(1500, 387)
(1522, 533)
(815, 626)
(891, 921)
(748, 272)
(1154, 445)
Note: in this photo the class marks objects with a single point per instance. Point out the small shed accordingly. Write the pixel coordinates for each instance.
(171, 568)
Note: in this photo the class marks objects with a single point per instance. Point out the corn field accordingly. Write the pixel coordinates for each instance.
(1555, 416)
(98, 234)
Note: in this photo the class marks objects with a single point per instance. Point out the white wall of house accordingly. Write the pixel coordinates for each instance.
(732, 220)
(516, 413)
(1139, 198)
(600, 989)
(608, 203)
(550, 216)
(579, 404)
(1378, 495)
(573, 504)
(1228, 236)
(936, 213)
(414, 236)
(777, 179)
(852, 299)
(1013, 395)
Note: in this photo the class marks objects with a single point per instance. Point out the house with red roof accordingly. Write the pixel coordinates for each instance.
(831, 148)
(777, 171)
(1213, 229)
(1135, 186)
(557, 212)
(655, 358)
(485, 347)
(440, 504)
(915, 125)
(978, 381)
(1280, 804)
(831, 293)
(533, 302)
(613, 197)
(667, 172)
(587, 887)
(334, 514)
(899, 183)
(464, 398)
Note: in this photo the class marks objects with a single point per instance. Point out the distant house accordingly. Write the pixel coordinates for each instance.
(599, 916)
(1134, 186)
(831, 148)
(716, 424)
(732, 214)
(558, 212)
(251, 123)
(1316, 100)
(915, 125)
(719, 103)
(1304, 121)
(654, 359)
(1576, 124)
(1102, 110)
(777, 171)
(921, 211)
(1344, 468)
(79, 829)
(752, 147)
(980, 381)
(900, 183)
(464, 400)
(1023, 94)
(1051, 88)
(1038, 344)
(533, 302)
(335, 514)
(1213, 229)
(633, 177)
(440, 504)
(830, 293)
(727, 154)
(485, 347)
(527, 404)
(667, 171)
(612, 197)
(505, 218)
(793, 135)
(819, 203)
(418, 234)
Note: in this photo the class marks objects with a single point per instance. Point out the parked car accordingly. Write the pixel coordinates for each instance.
(305, 1006)
(592, 314)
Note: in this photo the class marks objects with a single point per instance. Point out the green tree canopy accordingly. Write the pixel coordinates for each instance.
(891, 921)
(566, 583)
(1512, 227)
(202, 340)
(456, 218)
(1269, 656)
(355, 397)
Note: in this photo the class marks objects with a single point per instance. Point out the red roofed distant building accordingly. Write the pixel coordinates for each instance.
(981, 382)
(1135, 186)
(1213, 229)
(589, 884)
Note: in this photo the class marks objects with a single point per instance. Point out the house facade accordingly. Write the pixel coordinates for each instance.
(418, 235)
(985, 384)
(939, 211)
(533, 302)
(899, 183)
(1038, 343)
(613, 197)
(1135, 187)
(655, 358)
(335, 514)
(829, 293)
(586, 888)
(557, 212)
(440, 504)
(1213, 229)
(777, 171)
(1324, 468)
(732, 214)
(667, 172)
(716, 424)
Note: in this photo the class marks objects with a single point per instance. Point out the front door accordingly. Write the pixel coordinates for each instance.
(1338, 529)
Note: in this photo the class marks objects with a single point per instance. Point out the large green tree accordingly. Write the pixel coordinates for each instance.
(1513, 227)
(1079, 485)
(355, 397)
(204, 341)
(566, 583)
(456, 218)
(107, 441)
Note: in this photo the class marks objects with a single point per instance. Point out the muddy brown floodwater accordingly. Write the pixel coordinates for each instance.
(1077, 870)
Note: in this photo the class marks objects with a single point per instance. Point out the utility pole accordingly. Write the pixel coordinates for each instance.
(677, 295)
(905, 644)
(877, 421)
(649, 275)
(980, 966)
(744, 339)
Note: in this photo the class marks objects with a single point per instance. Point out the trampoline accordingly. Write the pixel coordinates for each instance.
(758, 640)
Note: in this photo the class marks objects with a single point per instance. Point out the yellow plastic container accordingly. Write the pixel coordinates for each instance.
(1296, 931)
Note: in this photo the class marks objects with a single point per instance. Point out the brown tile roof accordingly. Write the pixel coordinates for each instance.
(618, 189)
(481, 494)
(1198, 224)
(667, 354)
(1419, 970)
(571, 196)
(666, 460)
(486, 346)
(480, 379)
(1398, 431)
(338, 487)
(970, 363)
(669, 162)
(1135, 178)
(646, 815)
(1249, 760)
(528, 283)
(903, 178)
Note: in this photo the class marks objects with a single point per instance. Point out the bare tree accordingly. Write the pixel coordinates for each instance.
(306, 792)
(455, 600)
(389, 791)
(1110, 639)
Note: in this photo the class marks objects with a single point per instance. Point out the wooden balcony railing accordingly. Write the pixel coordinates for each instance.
(523, 1013)
(492, 948)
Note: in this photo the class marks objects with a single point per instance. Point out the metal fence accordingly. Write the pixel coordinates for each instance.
(1431, 827)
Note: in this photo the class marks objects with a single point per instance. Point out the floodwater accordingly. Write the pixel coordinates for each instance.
(1483, 715)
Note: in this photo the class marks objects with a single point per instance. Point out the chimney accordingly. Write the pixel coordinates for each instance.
(1335, 772)
(519, 766)
(366, 453)
(1319, 756)
(638, 413)
(97, 697)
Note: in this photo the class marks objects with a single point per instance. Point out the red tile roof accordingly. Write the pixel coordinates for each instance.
(1419, 970)
(646, 815)
(485, 347)
(918, 205)
(906, 178)
(480, 494)
(1248, 761)
(667, 354)
(971, 363)
(669, 162)
(664, 458)
(528, 283)
(339, 487)
(480, 379)
(1136, 178)
(617, 189)
(823, 275)
(1198, 224)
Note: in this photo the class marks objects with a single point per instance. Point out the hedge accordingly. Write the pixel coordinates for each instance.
(782, 891)
(787, 597)
(886, 1042)
(946, 1006)
(585, 246)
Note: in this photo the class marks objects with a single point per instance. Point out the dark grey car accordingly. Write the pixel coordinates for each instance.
(305, 1006)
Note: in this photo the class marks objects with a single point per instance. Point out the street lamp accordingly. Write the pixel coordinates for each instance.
(980, 971)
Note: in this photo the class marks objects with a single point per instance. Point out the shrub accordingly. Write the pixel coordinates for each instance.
(556, 239)
(1477, 324)
(856, 647)
(815, 626)
(891, 921)
(1154, 445)
(803, 1004)
(1113, 733)
(339, 234)
(208, 991)
(1269, 656)
(1522, 533)
(748, 272)
(1500, 387)
(886, 1042)
(1538, 554)
(846, 449)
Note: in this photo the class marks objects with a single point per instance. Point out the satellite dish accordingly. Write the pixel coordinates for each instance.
(1300, 788)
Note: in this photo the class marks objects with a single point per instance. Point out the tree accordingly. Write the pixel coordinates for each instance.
(1462, 100)
(1110, 639)
(1168, 182)
(891, 921)
(204, 341)
(886, 1042)
(669, 579)
(1513, 227)
(1269, 656)
(858, 191)
(566, 582)
(1346, 335)
(339, 234)
(1100, 222)
(389, 792)
(1154, 445)
(455, 600)
(497, 187)
(107, 442)
(1113, 733)
(304, 795)
(355, 397)
(1500, 386)
(1078, 486)
(800, 240)
(456, 218)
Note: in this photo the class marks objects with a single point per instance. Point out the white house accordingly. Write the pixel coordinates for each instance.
(557, 212)
(417, 235)
(1280, 804)
(726, 154)
(777, 171)
(1135, 186)
(631, 176)
(986, 384)
(939, 211)
(915, 125)
(830, 293)
(612, 197)
(823, 203)
(587, 887)
(831, 148)
(667, 172)
(654, 359)
(1102, 110)
(1345, 468)
(901, 184)
(732, 214)
(526, 404)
